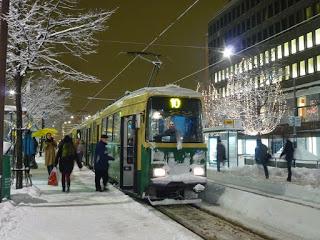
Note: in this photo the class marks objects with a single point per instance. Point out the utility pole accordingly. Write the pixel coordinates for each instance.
(3, 62)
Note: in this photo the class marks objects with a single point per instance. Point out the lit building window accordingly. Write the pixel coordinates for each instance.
(273, 54)
(245, 65)
(223, 92)
(231, 70)
(310, 65)
(301, 43)
(215, 77)
(227, 72)
(219, 76)
(280, 74)
(222, 75)
(318, 36)
(250, 63)
(255, 61)
(256, 82)
(240, 67)
(302, 102)
(293, 46)
(318, 63)
(309, 40)
(286, 49)
(262, 79)
(287, 72)
(261, 59)
(236, 69)
(302, 68)
(308, 12)
(294, 70)
(279, 52)
(266, 55)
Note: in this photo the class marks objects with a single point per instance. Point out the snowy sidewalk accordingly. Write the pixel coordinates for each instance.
(45, 212)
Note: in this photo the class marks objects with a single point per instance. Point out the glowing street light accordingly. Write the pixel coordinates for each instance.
(12, 92)
(72, 117)
(228, 52)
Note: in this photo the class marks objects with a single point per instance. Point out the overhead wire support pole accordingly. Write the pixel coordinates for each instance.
(3, 62)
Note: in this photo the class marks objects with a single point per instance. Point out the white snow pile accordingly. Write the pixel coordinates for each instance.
(300, 176)
(7, 218)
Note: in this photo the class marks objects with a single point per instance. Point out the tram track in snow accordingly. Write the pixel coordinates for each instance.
(208, 225)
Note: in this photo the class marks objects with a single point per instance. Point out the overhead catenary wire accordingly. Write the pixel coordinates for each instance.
(144, 49)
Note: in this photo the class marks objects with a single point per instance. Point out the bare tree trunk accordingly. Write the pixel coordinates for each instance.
(19, 176)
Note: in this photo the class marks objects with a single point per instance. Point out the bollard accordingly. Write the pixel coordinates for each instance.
(6, 178)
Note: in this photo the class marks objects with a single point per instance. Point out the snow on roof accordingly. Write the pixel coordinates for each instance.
(168, 90)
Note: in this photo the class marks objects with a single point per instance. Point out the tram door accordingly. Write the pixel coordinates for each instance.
(128, 152)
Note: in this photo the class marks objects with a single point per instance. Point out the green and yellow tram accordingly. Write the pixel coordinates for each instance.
(155, 136)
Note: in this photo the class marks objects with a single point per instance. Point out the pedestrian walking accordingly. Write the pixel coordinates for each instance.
(66, 156)
(262, 156)
(101, 163)
(80, 149)
(49, 147)
(34, 164)
(221, 153)
(288, 151)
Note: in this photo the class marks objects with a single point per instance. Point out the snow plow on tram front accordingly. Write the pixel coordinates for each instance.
(156, 139)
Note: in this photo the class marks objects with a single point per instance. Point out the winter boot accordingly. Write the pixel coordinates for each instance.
(68, 188)
(63, 188)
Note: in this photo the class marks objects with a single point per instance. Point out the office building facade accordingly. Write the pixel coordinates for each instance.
(266, 32)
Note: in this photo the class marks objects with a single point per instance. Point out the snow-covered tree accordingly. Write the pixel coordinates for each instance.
(45, 99)
(252, 94)
(41, 34)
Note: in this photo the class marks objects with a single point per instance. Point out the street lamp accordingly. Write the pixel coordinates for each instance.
(12, 92)
(228, 52)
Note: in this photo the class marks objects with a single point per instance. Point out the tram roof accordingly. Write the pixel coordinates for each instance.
(143, 94)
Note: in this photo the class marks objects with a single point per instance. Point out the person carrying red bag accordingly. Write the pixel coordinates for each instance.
(65, 158)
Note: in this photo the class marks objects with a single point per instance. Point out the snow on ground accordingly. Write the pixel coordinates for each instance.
(44, 212)
(300, 176)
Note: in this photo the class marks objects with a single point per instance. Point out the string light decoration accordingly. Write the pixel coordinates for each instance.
(252, 95)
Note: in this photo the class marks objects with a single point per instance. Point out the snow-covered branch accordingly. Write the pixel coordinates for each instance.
(42, 32)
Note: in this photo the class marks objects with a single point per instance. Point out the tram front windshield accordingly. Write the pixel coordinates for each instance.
(171, 119)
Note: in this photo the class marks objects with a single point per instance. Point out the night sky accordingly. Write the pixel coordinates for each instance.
(141, 21)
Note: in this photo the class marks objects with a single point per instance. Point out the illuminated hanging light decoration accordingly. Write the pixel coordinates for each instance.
(253, 95)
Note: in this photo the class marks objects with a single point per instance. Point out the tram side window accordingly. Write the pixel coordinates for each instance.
(104, 125)
(110, 127)
(116, 127)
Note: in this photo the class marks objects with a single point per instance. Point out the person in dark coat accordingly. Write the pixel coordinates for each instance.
(288, 151)
(221, 153)
(66, 157)
(261, 156)
(101, 163)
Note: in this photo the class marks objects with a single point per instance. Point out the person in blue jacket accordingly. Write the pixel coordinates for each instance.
(28, 148)
(101, 163)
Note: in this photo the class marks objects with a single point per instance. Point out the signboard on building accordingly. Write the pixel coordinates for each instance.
(228, 122)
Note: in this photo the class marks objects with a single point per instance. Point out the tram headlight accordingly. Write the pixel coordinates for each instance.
(198, 171)
(159, 172)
